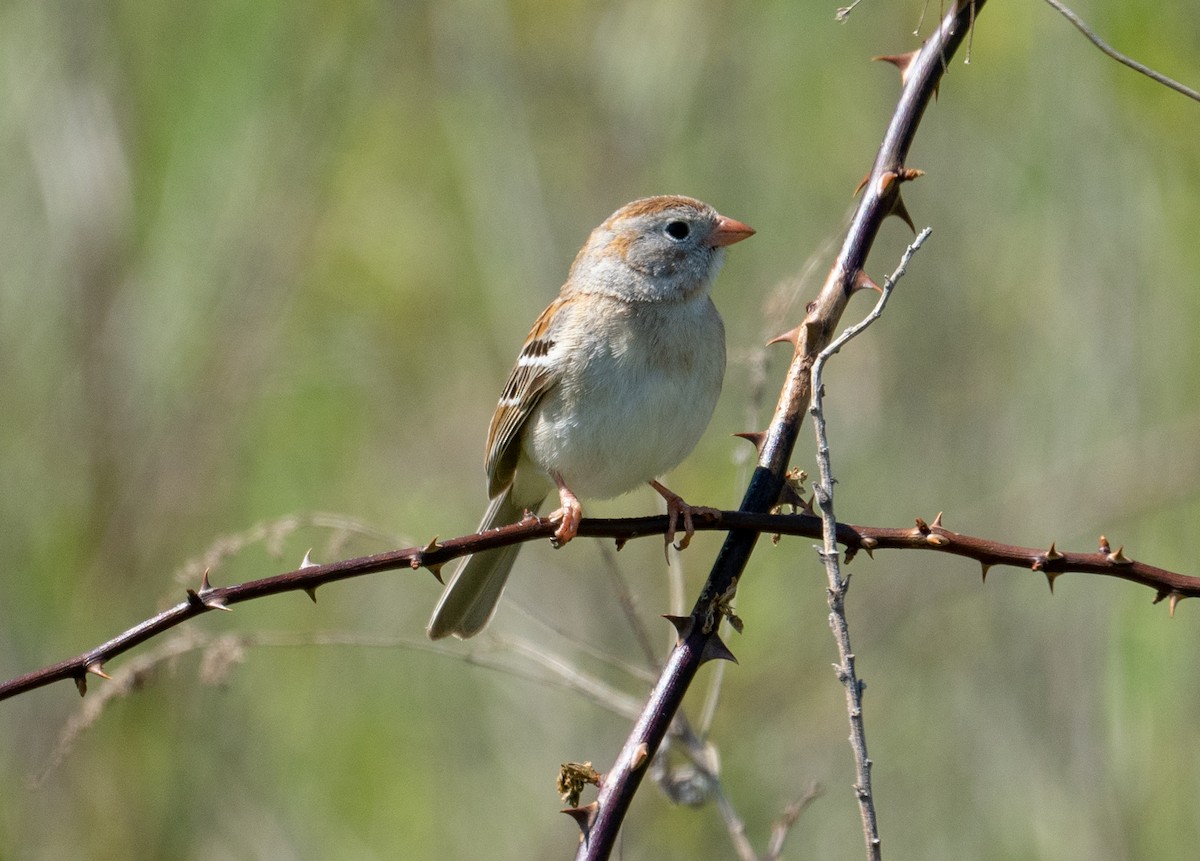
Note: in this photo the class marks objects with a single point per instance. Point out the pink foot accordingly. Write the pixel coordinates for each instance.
(677, 508)
(569, 513)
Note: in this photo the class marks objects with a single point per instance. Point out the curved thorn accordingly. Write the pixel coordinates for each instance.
(862, 281)
(584, 817)
(683, 625)
(755, 437)
(216, 604)
(716, 650)
(791, 336)
(901, 211)
(900, 61)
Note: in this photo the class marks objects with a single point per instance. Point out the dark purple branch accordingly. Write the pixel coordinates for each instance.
(921, 73)
(1051, 562)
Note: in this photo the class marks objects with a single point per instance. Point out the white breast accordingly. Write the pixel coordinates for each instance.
(635, 398)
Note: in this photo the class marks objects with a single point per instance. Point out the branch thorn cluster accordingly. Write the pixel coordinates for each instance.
(205, 598)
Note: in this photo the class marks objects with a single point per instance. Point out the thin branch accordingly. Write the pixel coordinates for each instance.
(838, 585)
(736, 826)
(1168, 585)
(1091, 36)
(791, 813)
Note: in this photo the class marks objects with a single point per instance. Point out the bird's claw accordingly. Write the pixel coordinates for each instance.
(676, 509)
(568, 515)
(688, 512)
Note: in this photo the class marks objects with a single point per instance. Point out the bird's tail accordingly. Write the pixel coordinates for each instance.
(470, 599)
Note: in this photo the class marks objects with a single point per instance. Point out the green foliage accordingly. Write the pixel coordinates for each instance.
(268, 258)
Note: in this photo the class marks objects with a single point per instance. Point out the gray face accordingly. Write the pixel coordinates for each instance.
(659, 249)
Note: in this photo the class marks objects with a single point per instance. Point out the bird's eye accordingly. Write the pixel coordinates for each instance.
(678, 230)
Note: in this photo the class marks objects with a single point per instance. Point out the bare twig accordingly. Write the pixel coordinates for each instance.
(779, 831)
(839, 585)
(790, 814)
(1091, 36)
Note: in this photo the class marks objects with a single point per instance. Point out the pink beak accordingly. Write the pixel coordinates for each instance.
(729, 231)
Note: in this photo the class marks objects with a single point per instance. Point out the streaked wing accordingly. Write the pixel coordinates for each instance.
(534, 374)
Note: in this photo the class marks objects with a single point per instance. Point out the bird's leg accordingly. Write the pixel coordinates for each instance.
(569, 512)
(676, 507)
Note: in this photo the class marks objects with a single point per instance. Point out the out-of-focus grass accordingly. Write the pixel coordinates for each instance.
(267, 258)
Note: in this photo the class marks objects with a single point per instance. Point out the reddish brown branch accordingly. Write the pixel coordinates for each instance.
(1051, 562)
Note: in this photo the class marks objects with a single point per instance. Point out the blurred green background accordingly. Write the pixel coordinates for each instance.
(260, 261)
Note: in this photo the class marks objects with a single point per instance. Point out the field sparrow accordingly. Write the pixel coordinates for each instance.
(613, 387)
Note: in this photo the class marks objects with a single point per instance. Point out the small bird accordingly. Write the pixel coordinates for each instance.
(615, 384)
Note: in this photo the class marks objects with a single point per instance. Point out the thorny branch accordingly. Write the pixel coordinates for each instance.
(699, 640)
(839, 585)
(1053, 563)
(921, 72)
